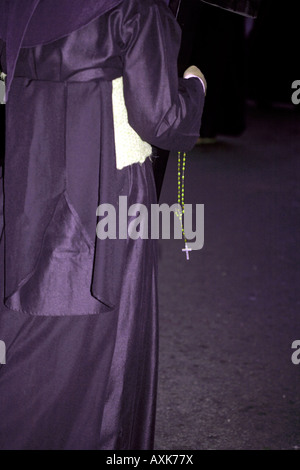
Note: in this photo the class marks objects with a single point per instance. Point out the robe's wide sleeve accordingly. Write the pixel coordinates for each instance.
(164, 110)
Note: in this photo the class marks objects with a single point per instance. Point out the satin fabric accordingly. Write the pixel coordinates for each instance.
(86, 382)
(60, 152)
(80, 314)
(27, 23)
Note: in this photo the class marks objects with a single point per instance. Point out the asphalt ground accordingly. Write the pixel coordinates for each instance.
(229, 315)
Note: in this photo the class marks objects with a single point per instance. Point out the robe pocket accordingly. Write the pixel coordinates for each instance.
(60, 282)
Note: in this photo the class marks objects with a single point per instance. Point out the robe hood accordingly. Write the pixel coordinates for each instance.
(26, 23)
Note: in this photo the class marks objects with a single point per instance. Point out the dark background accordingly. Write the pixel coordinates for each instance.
(230, 314)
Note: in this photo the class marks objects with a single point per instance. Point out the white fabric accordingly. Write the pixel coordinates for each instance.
(130, 148)
(2, 92)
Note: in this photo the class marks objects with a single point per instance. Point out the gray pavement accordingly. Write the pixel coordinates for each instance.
(229, 315)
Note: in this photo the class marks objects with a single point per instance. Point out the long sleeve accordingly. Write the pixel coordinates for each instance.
(164, 110)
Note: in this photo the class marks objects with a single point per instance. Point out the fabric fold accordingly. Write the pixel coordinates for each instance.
(29, 29)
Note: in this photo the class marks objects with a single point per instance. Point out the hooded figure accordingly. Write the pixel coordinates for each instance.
(90, 87)
(213, 34)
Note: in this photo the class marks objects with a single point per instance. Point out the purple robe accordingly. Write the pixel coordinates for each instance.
(79, 314)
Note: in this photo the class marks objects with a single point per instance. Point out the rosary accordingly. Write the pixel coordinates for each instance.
(180, 198)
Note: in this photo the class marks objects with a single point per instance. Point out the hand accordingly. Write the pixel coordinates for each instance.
(193, 70)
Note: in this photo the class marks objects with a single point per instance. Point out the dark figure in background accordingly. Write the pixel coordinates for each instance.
(272, 53)
(215, 38)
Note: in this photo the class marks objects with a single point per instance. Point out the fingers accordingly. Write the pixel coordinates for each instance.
(193, 70)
